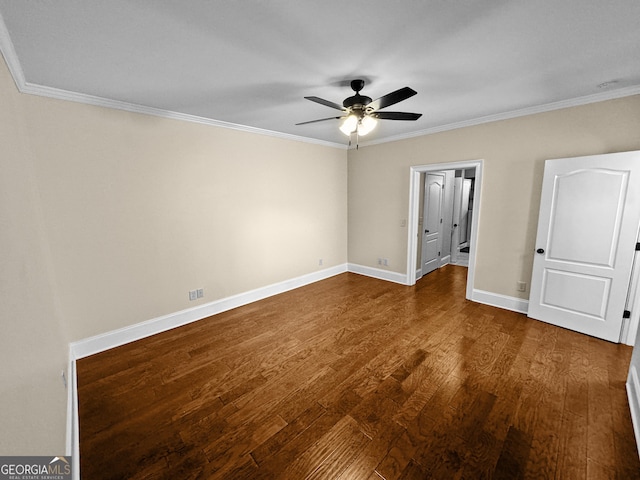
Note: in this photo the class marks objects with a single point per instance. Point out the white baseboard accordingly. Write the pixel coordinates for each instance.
(633, 394)
(501, 301)
(115, 338)
(68, 449)
(488, 298)
(378, 273)
(73, 422)
(446, 260)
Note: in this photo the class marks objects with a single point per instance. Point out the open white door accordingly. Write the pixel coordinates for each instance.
(587, 232)
(432, 236)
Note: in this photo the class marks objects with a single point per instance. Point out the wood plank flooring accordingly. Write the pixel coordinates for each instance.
(357, 378)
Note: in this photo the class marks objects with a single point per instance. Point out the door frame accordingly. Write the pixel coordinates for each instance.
(455, 231)
(629, 332)
(414, 209)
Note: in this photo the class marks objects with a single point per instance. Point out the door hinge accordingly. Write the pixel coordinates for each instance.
(638, 247)
(626, 314)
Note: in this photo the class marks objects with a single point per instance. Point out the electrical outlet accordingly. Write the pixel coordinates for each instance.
(385, 262)
(522, 286)
(200, 293)
(379, 261)
(320, 262)
(193, 294)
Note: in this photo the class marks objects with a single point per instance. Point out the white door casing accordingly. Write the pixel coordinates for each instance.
(447, 217)
(413, 228)
(432, 234)
(587, 231)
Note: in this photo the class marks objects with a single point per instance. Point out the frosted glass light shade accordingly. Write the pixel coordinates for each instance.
(366, 125)
(349, 125)
(352, 123)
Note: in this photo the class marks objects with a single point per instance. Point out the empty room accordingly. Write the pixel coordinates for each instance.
(363, 240)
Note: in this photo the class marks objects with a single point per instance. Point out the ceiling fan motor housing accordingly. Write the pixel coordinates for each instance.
(357, 101)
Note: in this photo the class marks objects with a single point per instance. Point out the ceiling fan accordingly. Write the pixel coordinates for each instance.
(360, 114)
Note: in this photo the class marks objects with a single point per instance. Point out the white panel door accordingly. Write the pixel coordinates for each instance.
(587, 231)
(432, 237)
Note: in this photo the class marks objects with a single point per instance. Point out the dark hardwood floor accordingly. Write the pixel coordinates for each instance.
(356, 378)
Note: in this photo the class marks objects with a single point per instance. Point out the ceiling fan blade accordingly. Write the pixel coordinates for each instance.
(391, 98)
(327, 103)
(396, 115)
(320, 120)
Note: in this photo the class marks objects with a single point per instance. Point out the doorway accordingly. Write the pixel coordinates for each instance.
(462, 216)
(445, 219)
(415, 230)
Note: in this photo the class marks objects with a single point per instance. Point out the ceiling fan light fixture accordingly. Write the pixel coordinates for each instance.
(349, 125)
(366, 124)
(354, 123)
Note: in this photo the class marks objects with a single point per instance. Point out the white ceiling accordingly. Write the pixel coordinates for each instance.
(251, 62)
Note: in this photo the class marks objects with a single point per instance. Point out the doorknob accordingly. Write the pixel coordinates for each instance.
(455, 224)
(540, 251)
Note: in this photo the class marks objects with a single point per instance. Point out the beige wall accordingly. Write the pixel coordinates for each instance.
(33, 345)
(140, 210)
(514, 152)
(109, 218)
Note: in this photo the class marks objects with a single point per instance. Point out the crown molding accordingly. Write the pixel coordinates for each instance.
(59, 94)
(548, 107)
(15, 68)
(8, 52)
(10, 57)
